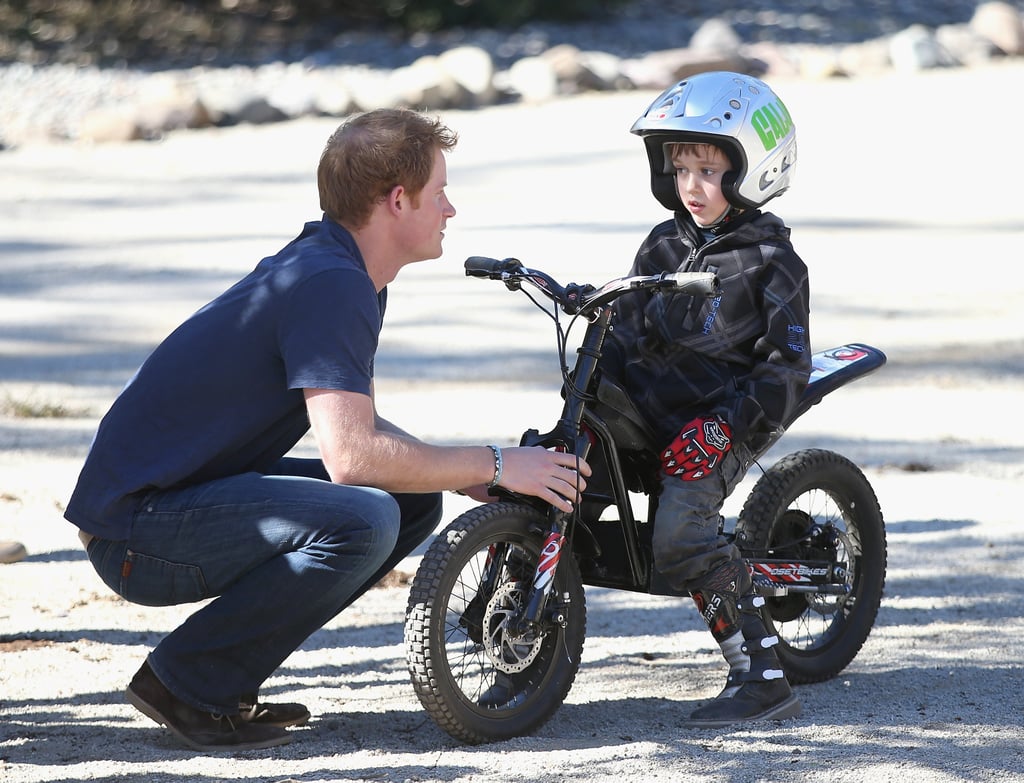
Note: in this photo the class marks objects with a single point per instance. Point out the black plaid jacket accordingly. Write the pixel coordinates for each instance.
(744, 355)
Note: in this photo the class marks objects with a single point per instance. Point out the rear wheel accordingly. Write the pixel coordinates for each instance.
(478, 676)
(817, 505)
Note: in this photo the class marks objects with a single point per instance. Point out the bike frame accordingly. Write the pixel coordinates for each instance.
(569, 434)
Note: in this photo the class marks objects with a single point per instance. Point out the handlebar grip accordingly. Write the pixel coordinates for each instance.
(693, 283)
(481, 266)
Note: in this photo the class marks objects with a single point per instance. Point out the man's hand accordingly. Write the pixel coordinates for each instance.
(553, 476)
(697, 449)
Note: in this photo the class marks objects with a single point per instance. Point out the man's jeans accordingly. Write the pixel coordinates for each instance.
(283, 553)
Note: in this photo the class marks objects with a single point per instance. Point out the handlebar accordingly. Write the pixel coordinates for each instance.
(577, 298)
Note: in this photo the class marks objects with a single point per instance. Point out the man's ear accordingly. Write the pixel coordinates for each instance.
(396, 199)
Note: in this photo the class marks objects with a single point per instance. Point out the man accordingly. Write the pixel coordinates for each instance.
(187, 492)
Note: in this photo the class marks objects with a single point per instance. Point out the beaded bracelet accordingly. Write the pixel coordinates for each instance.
(498, 466)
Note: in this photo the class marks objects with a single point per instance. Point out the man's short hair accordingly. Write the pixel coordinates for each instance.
(371, 153)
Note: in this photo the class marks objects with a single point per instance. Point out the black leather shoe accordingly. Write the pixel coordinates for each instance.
(267, 714)
(197, 729)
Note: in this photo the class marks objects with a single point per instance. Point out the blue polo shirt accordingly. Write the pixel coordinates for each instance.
(222, 394)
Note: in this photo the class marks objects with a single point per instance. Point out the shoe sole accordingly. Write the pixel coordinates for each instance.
(790, 708)
(281, 724)
(154, 715)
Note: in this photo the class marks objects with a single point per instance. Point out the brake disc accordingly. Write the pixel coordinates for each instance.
(510, 653)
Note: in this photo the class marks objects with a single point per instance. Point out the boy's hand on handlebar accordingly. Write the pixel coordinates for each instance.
(553, 476)
(697, 449)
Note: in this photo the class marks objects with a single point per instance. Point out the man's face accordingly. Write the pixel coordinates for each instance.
(424, 226)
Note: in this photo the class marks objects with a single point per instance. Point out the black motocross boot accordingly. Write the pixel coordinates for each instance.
(756, 687)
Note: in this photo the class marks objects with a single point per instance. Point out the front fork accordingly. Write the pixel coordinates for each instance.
(540, 589)
(569, 436)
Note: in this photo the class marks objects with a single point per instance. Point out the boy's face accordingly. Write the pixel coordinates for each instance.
(699, 170)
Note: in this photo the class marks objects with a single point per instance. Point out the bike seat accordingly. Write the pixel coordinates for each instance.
(834, 368)
(617, 410)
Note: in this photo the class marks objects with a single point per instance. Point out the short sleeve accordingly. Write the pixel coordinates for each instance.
(329, 331)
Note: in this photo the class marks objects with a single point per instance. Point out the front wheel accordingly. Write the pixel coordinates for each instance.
(480, 676)
(816, 505)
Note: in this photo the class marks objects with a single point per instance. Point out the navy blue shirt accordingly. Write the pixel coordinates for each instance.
(222, 394)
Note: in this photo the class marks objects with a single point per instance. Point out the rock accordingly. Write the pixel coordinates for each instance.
(533, 79)
(812, 62)
(601, 71)
(565, 62)
(646, 73)
(168, 105)
(658, 70)
(372, 89)
(966, 45)
(425, 84)
(332, 95)
(1002, 24)
(111, 105)
(865, 58)
(236, 98)
(472, 70)
(295, 95)
(786, 60)
(716, 36)
(916, 49)
(109, 124)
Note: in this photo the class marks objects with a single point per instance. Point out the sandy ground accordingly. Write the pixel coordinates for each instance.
(907, 209)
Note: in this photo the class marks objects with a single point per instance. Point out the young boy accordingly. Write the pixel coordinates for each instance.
(715, 377)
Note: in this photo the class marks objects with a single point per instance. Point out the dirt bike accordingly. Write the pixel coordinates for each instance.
(496, 617)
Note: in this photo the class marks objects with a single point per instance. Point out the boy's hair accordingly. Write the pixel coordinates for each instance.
(368, 155)
(677, 149)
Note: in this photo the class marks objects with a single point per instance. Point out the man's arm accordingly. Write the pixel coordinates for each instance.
(358, 449)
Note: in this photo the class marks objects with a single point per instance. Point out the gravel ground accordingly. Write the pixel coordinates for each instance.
(911, 248)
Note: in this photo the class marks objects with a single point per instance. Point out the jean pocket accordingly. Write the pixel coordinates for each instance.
(151, 581)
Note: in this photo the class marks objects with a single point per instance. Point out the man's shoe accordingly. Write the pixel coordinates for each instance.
(197, 729)
(280, 715)
(752, 701)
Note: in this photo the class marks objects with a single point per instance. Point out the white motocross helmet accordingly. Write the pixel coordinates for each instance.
(736, 112)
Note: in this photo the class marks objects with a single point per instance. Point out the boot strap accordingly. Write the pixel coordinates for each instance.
(757, 673)
(750, 603)
(752, 647)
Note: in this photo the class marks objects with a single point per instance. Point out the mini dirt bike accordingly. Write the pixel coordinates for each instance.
(497, 616)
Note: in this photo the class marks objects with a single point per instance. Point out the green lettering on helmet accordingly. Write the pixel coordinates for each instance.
(764, 132)
(771, 122)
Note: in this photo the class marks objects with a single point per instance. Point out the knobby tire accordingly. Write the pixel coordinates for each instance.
(818, 635)
(447, 627)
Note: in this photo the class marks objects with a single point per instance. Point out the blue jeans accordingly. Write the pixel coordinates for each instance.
(281, 554)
